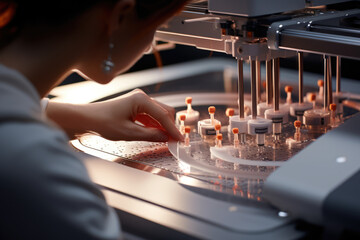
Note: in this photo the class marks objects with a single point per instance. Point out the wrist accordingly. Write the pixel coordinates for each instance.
(74, 119)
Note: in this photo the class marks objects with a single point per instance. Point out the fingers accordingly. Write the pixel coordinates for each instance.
(160, 112)
(164, 117)
(148, 121)
(146, 134)
(171, 110)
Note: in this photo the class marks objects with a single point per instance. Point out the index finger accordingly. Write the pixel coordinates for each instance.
(170, 109)
(163, 116)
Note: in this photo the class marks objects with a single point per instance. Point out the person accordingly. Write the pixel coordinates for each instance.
(46, 190)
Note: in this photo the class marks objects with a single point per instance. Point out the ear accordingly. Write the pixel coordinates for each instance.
(118, 13)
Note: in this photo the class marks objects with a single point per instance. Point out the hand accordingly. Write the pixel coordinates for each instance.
(119, 115)
(116, 119)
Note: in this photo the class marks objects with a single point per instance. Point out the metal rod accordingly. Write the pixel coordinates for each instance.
(258, 80)
(315, 42)
(338, 74)
(269, 92)
(325, 83)
(276, 83)
(301, 76)
(241, 87)
(253, 89)
(329, 85)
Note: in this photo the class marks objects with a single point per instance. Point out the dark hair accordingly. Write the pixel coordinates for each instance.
(33, 13)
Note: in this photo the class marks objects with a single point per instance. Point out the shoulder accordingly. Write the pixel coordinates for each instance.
(25, 138)
(47, 186)
(36, 153)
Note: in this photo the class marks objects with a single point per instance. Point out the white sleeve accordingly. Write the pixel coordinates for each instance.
(44, 103)
(47, 193)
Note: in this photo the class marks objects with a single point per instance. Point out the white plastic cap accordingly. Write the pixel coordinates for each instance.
(316, 117)
(277, 116)
(241, 124)
(262, 107)
(297, 109)
(191, 118)
(205, 128)
(259, 126)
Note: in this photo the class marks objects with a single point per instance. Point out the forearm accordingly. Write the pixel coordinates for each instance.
(115, 119)
(72, 118)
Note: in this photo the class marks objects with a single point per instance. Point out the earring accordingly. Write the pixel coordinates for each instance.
(108, 64)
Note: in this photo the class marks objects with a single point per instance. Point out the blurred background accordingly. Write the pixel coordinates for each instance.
(313, 63)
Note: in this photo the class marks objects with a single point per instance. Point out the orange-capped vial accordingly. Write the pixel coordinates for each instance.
(212, 110)
(235, 131)
(188, 100)
(297, 124)
(321, 88)
(219, 139)
(333, 120)
(288, 89)
(312, 97)
(320, 83)
(230, 112)
(332, 107)
(187, 136)
(217, 128)
(182, 117)
(236, 137)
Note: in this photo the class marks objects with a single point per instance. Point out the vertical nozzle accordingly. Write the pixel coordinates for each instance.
(301, 76)
(258, 80)
(338, 74)
(326, 96)
(276, 83)
(297, 135)
(329, 79)
(253, 89)
(269, 92)
(241, 87)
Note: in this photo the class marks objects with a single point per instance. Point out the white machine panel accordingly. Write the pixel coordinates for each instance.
(253, 8)
(325, 2)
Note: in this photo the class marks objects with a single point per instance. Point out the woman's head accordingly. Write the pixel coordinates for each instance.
(128, 24)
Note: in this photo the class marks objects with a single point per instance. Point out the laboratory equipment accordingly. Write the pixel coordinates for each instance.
(207, 191)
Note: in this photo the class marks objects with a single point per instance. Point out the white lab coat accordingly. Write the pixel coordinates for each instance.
(46, 192)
